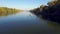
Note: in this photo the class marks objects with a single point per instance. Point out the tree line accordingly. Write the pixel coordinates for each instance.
(51, 11)
(7, 11)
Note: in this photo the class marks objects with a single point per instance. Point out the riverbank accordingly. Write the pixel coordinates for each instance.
(50, 12)
(4, 11)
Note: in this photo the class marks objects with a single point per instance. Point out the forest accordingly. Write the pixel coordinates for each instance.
(4, 11)
(51, 11)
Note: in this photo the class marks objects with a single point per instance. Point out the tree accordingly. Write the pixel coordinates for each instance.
(41, 8)
(51, 3)
(7, 11)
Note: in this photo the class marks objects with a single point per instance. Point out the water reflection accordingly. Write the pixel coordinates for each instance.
(26, 22)
(53, 27)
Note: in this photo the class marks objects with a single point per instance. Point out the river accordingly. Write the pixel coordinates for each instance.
(26, 22)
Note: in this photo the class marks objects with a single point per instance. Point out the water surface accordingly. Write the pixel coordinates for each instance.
(26, 22)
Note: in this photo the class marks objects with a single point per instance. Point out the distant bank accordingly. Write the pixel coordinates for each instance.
(4, 11)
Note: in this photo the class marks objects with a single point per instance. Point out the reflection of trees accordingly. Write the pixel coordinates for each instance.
(7, 11)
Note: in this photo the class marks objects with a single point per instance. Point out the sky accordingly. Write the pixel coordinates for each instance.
(23, 4)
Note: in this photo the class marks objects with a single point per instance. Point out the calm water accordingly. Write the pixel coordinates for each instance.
(26, 22)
